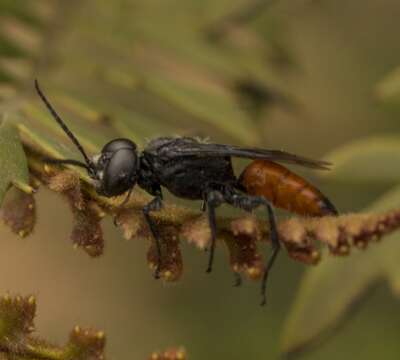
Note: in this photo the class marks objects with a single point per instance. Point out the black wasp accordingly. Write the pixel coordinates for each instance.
(185, 166)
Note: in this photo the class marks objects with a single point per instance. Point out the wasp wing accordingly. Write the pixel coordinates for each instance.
(182, 147)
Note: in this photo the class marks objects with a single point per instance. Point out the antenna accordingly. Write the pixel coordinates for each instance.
(65, 128)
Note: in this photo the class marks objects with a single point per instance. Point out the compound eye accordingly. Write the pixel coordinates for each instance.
(120, 172)
(118, 144)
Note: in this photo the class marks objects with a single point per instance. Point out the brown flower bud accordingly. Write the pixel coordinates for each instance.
(19, 212)
(171, 266)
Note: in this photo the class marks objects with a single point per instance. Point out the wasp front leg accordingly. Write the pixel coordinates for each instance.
(154, 205)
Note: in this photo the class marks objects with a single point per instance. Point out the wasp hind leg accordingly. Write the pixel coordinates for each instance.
(213, 199)
(249, 203)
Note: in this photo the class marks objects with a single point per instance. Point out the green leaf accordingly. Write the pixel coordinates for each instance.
(388, 89)
(162, 83)
(367, 160)
(19, 39)
(220, 111)
(13, 162)
(328, 291)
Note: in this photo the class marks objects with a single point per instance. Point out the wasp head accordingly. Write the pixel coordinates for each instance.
(116, 167)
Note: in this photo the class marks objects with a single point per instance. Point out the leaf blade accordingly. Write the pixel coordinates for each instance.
(367, 160)
(12, 160)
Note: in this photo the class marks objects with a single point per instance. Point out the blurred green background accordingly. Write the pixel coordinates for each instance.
(327, 57)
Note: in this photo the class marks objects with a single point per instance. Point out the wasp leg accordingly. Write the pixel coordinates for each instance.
(124, 202)
(213, 200)
(128, 196)
(249, 203)
(238, 280)
(276, 246)
(154, 205)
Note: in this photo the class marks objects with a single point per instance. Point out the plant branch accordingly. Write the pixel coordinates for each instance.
(302, 237)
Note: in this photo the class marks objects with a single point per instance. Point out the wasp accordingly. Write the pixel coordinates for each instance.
(196, 170)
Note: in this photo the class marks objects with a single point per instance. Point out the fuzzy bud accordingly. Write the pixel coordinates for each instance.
(19, 212)
(197, 231)
(17, 314)
(86, 344)
(171, 266)
(87, 232)
(243, 252)
(170, 354)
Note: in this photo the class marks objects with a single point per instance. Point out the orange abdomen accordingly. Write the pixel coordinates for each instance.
(284, 189)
